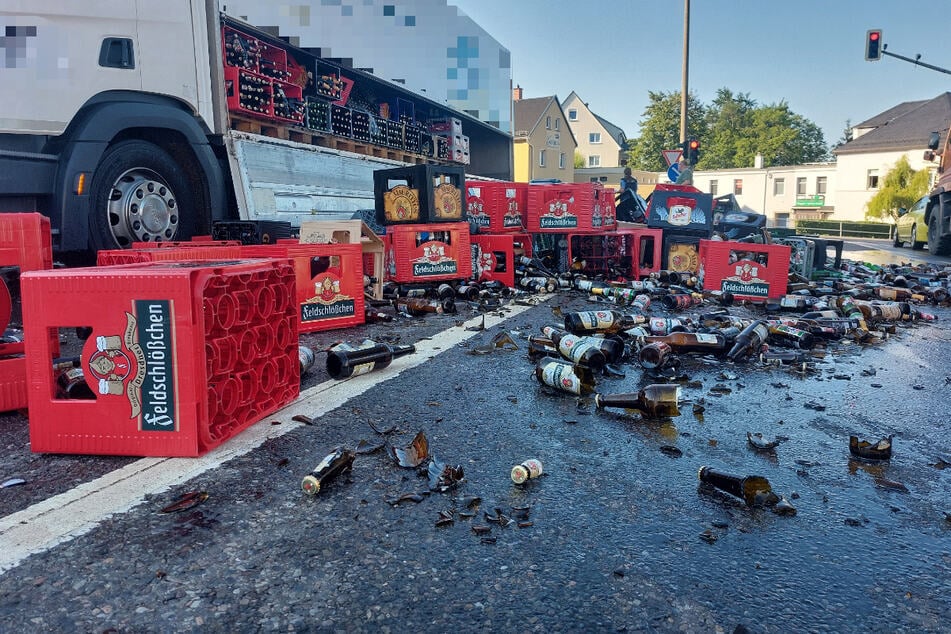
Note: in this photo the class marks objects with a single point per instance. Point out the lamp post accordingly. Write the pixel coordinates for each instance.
(683, 83)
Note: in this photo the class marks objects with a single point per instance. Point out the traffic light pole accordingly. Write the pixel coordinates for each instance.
(916, 62)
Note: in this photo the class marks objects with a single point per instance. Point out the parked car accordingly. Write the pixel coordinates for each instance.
(911, 225)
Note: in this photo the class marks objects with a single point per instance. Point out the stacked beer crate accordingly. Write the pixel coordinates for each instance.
(496, 212)
(422, 210)
(686, 218)
(562, 213)
(451, 143)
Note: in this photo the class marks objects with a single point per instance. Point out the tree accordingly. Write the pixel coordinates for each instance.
(901, 187)
(660, 129)
(732, 130)
(847, 133)
(579, 161)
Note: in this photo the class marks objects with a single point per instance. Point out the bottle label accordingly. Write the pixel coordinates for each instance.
(561, 376)
(574, 348)
(703, 337)
(596, 319)
(363, 368)
(887, 293)
(534, 467)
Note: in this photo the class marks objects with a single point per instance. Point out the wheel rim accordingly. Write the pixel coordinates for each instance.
(142, 208)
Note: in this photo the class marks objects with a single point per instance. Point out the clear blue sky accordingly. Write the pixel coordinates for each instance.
(808, 53)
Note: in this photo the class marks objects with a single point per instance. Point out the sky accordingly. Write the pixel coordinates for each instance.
(807, 53)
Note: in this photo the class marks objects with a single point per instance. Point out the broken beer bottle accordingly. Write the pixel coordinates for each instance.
(527, 470)
(343, 361)
(564, 376)
(754, 490)
(659, 400)
(749, 341)
(691, 341)
(340, 460)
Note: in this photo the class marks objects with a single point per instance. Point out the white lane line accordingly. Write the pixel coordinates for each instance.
(63, 517)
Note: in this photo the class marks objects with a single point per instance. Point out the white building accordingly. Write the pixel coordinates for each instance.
(428, 46)
(839, 190)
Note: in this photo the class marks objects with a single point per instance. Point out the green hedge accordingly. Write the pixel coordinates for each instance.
(848, 229)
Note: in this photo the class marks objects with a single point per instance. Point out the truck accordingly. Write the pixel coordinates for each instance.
(120, 121)
(937, 214)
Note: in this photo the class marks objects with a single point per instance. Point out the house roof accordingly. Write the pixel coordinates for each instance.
(907, 126)
(528, 114)
(616, 132)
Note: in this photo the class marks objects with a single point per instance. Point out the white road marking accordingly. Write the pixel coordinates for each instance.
(63, 517)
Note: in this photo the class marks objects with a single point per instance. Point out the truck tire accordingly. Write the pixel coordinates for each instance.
(139, 194)
(937, 244)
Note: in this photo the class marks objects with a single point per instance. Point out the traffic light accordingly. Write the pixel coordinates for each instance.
(692, 151)
(873, 45)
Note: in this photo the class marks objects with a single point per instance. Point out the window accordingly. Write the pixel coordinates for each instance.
(713, 188)
(541, 158)
(779, 187)
(820, 184)
(737, 186)
(594, 160)
(572, 115)
(561, 161)
(557, 123)
(548, 123)
(593, 179)
(603, 179)
(800, 186)
(872, 182)
(594, 137)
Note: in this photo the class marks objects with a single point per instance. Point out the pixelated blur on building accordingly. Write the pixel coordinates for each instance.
(428, 46)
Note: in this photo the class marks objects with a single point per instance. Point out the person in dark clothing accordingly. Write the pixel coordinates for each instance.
(628, 206)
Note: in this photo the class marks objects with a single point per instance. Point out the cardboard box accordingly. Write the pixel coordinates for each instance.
(350, 232)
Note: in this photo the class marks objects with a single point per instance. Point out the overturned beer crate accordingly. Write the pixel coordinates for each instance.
(329, 281)
(428, 252)
(25, 245)
(194, 251)
(626, 253)
(493, 258)
(749, 271)
(181, 357)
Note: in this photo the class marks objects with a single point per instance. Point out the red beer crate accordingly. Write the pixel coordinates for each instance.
(195, 252)
(496, 207)
(329, 281)
(566, 208)
(627, 253)
(428, 253)
(493, 258)
(749, 271)
(25, 243)
(182, 355)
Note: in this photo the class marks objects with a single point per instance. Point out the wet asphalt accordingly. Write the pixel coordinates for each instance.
(621, 537)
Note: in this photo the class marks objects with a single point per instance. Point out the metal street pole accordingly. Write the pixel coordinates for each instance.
(683, 84)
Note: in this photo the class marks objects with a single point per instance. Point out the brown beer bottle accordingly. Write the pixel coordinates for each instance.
(691, 341)
(345, 362)
(417, 306)
(749, 341)
(340, 460)
(659, 400)
(754, 490)
(592, 321)
(564, 376)
(576, 349)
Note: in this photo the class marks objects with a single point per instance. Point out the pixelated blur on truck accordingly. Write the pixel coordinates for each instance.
(115, 122)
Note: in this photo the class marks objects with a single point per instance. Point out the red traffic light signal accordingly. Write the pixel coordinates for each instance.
(873, 45)
(692, 151)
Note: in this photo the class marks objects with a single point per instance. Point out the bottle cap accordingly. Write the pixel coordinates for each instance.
(310, 485)
(519, 474)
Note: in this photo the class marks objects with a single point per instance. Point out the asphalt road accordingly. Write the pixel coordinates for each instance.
(617, 535)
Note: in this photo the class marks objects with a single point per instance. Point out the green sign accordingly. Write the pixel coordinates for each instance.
(812, 201)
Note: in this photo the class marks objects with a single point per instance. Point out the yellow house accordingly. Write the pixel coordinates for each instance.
(544, 144)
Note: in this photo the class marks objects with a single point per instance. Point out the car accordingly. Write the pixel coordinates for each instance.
(911, 225)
